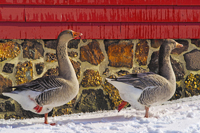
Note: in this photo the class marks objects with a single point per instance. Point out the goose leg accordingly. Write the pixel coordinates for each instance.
(146, 112)
(46, 121)
(45, 118)
(122, 105)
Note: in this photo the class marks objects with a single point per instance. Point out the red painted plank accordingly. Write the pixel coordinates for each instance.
(101, 30)
(12, 13)
(112, 13)
(187, 2)
(100, 2)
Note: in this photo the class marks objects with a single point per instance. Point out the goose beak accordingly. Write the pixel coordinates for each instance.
(76, 34)
(178, 45)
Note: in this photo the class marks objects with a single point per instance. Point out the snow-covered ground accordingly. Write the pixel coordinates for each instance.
(179, 116)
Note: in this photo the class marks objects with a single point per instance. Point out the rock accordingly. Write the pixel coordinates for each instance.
(26, 114)
(122, 73)
(195, 42)
(192, 85)
(178, 93)
(91, 78)
(120, 53)
(68, 108)
(52, 71)
(106, 71)
(32, 49)
(92, 100)
(39, 68)
(9, 50)
(155, 43)
(73, 54)
(108, 42)
(153, 65)
(4, 83)
(141, 52)
(24, 72)
(55, 72)
(91, 53)
(178, 69)
(180, 50)
(84, 40)
(51, 57)
(192, 60)
(51, 44)
(77, 67)
(177, 66)
(7, 106)
(112, 93)
(8, 68)
(73, 43)
(139, 70)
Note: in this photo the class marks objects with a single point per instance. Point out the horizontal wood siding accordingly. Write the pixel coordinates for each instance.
(105, 19)
(112, 14)
(12, 13)
(100, 2)
(101, 30)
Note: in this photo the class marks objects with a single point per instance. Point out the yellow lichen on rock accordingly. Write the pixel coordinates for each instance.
(9, 50)
(91, 78)
(24, 72)
(192, 85)
(141, 52)
(113, 94)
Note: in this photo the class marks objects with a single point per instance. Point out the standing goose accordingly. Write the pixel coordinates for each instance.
(145, 89)
(42, 94)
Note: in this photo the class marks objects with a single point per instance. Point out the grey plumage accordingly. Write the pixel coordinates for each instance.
(154, 86)
(42, 94)
(145, 89)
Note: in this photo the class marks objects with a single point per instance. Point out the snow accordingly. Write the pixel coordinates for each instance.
(178, 116)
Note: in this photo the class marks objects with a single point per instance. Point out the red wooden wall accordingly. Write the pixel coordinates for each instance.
(100, 19)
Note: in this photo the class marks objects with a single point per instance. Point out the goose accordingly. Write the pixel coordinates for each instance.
(41, 95)
(143, 90)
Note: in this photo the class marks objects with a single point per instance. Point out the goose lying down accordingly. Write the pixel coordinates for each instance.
(146, 89)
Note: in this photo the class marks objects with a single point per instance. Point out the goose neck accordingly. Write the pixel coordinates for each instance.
(66, 69)
(165, 67)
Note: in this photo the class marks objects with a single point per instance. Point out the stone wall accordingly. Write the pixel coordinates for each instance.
(24, 60)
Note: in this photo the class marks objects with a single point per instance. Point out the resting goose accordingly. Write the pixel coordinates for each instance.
(145, 89)
(42, 94)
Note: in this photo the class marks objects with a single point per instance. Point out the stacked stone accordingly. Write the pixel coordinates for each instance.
(24, 60)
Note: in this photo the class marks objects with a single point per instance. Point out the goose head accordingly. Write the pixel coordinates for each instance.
(167, 46)
(68, 35)
(171, 44)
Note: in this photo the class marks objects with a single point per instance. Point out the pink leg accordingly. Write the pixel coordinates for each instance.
(146, 112)
(122, 105)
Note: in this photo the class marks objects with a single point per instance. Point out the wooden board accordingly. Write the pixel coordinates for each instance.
(101, 30)
(100, 2)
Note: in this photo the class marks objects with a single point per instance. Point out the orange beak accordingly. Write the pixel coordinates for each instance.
(76, 34)
(178, 45)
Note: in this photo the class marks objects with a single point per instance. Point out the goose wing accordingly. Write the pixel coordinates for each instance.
(155, 87)
(47, 86)
(41, 84)
(143, 80)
